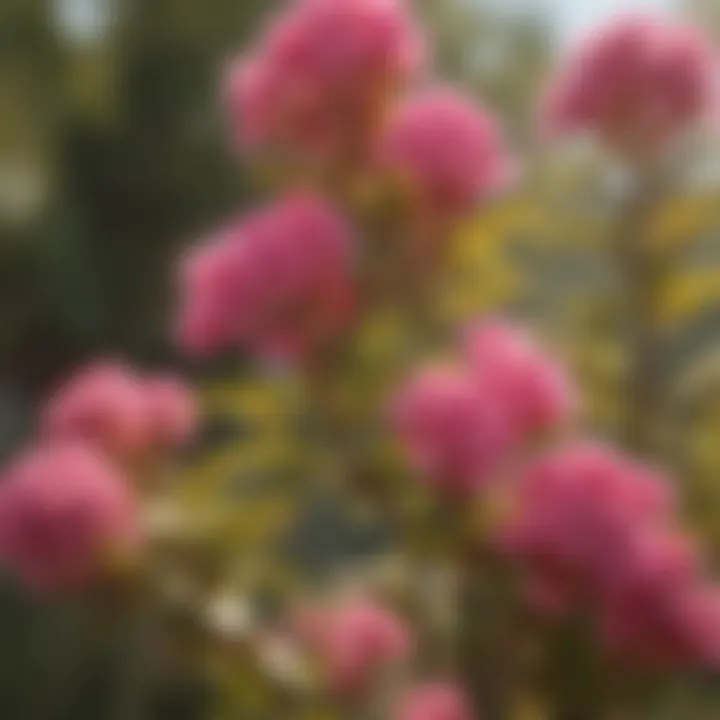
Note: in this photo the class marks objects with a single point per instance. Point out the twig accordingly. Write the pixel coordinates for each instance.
(640, 274)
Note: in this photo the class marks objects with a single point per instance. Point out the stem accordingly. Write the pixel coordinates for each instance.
(641, 281)
(485, 647)
(137, 666)
(577, 678)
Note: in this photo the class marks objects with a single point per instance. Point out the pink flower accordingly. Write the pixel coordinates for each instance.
(702, 615)
(102, 404)
(447, 150)
(172, 411)
(435, 701)
(128, 417)
(595, 531)
(64, 512)
(452, 431)
(459, 423)
(355, 642)
(279, 283)
(637, 83)
(322, 73)
(207, 283)
(536, 394)
(659, 610)
(578, 512)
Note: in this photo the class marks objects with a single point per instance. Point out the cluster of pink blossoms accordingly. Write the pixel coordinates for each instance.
(331, 84)
(320, 78)
(356, 643)
(279, 282)
(594, 530)
(460, 422)
(637, 84)
(588, 529)
(130, 418)
(444, 150)
(68, 507)
(64, 512)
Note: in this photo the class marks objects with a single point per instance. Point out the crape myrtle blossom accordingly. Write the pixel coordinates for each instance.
(535, 390)
(67, 516)
(594, 530)
(354, 643)
(447, 151)
(637, 83)
(277, 283)
(130, 416)
(319, 80)
(459, 423)
(453, 432)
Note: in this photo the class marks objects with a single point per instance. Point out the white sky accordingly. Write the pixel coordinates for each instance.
(85, 18)
(574, 17)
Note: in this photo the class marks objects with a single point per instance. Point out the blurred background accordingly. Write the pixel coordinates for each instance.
(113, 158)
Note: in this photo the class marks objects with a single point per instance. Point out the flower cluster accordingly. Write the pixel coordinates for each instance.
(356, 643)
(66, 515)
(588, 529)
(460, 422)
(453, 434)
(446, 152)
(536, 393)
(332, 85)
(596, 531)
(637, 83)
(69, 509)
(130, 418)
(279, 282)
(320, 78)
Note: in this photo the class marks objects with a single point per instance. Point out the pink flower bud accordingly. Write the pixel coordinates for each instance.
(536, 394)
(279, 283)
(452, 431)
(321, 75)
(636, 83)
(435, 701)
(64, 512)
(446, 150)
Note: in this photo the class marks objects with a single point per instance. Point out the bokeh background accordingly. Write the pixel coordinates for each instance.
(114, 157)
